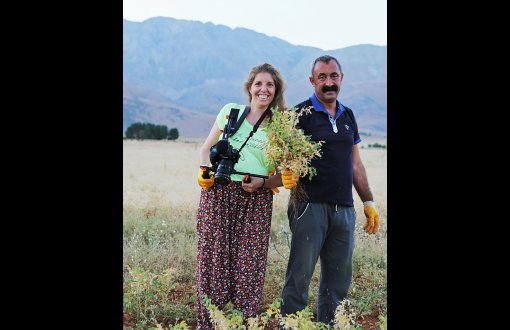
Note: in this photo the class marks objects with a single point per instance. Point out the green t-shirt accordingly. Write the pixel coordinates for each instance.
(252, 158)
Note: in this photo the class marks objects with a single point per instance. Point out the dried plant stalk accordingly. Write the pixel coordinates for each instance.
(288, 147)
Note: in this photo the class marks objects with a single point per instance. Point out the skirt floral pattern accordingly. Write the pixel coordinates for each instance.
(233, 236)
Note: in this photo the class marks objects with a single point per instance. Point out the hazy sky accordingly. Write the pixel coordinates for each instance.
(324, 24)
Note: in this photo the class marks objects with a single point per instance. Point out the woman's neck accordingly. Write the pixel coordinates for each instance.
(258, 108)
(255, 113)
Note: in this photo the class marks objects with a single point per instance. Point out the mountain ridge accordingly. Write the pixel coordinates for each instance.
(181, 72)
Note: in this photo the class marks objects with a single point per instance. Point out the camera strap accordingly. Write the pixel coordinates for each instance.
(256, 126)
(240, 120)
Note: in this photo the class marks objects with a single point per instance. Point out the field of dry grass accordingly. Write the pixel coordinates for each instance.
(164, 173)
(161, 197)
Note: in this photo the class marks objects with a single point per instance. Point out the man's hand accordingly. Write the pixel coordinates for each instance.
(206, 182)
(372, 225)
(289, 179)
(274, 190)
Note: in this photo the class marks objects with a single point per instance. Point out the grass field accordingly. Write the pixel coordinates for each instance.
(160, 202)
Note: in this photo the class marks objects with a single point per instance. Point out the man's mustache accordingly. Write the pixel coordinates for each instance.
(333, 88)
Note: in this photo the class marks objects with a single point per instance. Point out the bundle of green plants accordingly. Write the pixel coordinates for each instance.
(289, 149)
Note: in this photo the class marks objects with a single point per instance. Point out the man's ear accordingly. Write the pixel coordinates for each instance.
(311, 81)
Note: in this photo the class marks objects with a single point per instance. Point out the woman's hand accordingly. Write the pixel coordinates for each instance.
(205, 178)
(252, 184)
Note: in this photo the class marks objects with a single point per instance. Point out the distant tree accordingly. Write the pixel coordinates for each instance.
(377, 145)
(160, 132)
(173, 134)
(134, 131)
(146, 131)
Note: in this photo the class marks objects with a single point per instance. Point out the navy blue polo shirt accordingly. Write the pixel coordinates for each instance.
(333, 181)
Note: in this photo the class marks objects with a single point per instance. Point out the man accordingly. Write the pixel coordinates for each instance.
(322, 220)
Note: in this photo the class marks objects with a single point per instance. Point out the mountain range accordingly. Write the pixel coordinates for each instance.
(180, 73)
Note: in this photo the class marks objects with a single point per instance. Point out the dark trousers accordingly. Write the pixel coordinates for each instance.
(327, 231)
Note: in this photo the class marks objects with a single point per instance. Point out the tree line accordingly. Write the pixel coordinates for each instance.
(375, 145)
(148, 131)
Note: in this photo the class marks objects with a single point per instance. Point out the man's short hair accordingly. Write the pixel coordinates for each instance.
(326, 59)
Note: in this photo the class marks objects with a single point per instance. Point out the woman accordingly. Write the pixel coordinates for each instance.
(234, 219)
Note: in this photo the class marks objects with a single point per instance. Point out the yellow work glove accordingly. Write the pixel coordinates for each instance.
(207, 181)
(372, 225)
(289, 179)
(274, 190)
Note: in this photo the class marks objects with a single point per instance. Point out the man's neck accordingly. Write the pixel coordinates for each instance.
(330, 107)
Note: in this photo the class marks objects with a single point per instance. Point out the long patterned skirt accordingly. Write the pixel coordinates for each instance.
(233, 236)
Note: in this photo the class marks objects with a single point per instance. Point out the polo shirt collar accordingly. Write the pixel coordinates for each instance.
(317, 106)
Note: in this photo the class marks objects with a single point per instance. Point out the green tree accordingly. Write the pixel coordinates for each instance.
(173, 134)
(149, 131)
(134, 131)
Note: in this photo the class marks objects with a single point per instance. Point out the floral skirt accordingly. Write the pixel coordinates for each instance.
(233, 236)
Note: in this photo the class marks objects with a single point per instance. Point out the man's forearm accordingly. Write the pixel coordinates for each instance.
(361, 184)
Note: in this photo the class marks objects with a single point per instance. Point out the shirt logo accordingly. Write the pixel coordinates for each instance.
(346, 127)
